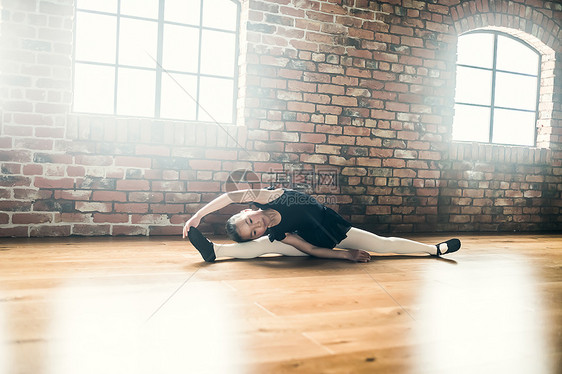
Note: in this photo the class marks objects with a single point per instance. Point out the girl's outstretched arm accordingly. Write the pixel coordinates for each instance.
(240, 196)
(304, 246)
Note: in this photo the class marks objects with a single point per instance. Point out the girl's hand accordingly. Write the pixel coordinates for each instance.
(192, 222)
(357, 255)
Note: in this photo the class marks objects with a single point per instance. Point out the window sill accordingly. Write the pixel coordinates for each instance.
(484, 152)
(107, 128)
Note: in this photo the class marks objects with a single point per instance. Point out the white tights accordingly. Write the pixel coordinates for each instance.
(356, 239)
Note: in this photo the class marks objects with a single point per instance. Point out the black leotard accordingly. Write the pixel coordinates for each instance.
(305, 216)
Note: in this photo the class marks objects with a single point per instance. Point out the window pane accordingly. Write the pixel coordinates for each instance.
(93, 88)
(516, 91)
(215, 97)
(514, 127)
(474, 86)
(95, 37)
(178, 96)
(135, 92)
(471, 123)
(99, 5)
(183, 11)
(516, 56)
(140, 8)
(476, 49)
(220, 14)
(217, 53)
(137, 42)
(181, 46)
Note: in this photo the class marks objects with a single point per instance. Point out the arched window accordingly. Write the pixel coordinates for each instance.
(496, 98)
(172, 59)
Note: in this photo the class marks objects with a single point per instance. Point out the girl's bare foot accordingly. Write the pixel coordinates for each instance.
(357, 255)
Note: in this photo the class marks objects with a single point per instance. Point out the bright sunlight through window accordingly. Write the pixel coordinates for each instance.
(496, 99)
(172, 59)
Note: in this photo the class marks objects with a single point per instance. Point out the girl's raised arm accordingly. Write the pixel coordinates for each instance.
(240, 196)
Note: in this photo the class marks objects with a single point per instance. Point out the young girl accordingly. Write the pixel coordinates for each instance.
(297, 225)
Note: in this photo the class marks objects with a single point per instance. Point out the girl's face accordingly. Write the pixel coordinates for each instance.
(251, 224)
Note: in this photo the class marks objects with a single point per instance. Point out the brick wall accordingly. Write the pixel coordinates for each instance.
(358, 87)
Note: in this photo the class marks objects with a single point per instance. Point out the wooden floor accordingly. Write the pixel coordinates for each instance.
(150, 305)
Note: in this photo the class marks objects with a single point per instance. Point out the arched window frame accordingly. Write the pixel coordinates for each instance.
(494, 70)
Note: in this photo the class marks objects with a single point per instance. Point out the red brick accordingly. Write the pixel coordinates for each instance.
(344, 101)
(400, 30)
(63, 183)
(317, 98)
(394, 163)
(302, 86)
(329, 109)
(93, 160)
(73, 195)
(454, 218)
(50, 230)
(205, 164)
(165, 230)
(17, 231)
(429, 155)
(76, 171)
(91, 230)
(331, 89)
(93, 207)
(109, 196)
(429, 174)
(146, 197)
(427, 192)
(299, 147)
(15, 156)
(76, 217)
(6, 142)
(169, 186)
(301, 107)
(530, 194)
(167, 208)
(378, 209)
(221, 154)
(133, 162)
(335, 139)
(203, 186)
(131, 208)
(357, 131)
(152, 150)
(152, 219)
(397, 107)
(28, 218)
(183, 197)
(390, 200)
(129, 230)
(36, 144)
(133, 185)
(111, 218)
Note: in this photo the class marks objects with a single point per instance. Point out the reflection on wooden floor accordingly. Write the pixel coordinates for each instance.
(139, 305)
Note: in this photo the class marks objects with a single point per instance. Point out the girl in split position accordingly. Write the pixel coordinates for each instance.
(296, 224)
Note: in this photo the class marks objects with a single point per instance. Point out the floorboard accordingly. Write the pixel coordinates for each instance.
(145, 305)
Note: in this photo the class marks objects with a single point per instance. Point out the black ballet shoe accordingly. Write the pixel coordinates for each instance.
(453, 245)
(202, 244)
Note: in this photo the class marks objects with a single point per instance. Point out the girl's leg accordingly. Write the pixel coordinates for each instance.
(367, 241)
(256, 248)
